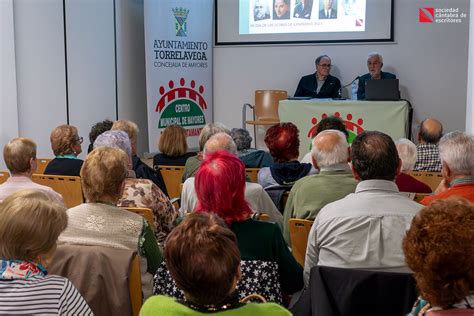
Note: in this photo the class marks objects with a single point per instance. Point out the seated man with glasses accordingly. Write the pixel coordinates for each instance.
(320, 84)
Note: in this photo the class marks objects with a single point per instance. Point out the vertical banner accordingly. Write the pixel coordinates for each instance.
(178, 52)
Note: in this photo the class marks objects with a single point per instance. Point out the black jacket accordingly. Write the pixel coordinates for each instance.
(308, 85)
(143, 171)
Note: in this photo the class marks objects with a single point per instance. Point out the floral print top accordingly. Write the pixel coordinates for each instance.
(144, 193)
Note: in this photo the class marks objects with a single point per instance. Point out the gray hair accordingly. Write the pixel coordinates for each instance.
(210, 129)
(241, 137)
(407, 153)
(376, 55)
(115, 139)
(220, 141)
(456, 149)
(330, 155)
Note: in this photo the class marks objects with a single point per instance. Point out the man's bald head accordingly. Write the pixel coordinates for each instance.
(431, 131)
(220, 141)
(330, 148)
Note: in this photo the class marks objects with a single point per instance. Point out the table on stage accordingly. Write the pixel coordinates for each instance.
(390, 117)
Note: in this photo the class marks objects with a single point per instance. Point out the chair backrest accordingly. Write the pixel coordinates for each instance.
(69, 187)
(145, 212)
(251, 281)
(172, 176)
(42, 164)
(299, 232)
(431, 179)
(4, 175)
(452, 312)
(108, 278)
(420, 196)
(350, 292)
(252, 174)
(266, 104)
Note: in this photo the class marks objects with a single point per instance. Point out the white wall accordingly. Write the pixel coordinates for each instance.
(429, 59)
(8, 100)
(40, 69)
(90, 43)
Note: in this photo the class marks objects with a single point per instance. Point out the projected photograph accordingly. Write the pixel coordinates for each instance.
(302, 16)
(303, 9)
(261, 10)
(281, 9)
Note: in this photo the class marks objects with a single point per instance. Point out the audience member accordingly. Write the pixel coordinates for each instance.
(141, 192)
(30, 223)
(203, 258)
(330, 122)
(310, 194)
(66, 145)
(173, 147)
(283, 143)
(220, 188)
(192, 164)
(97, 129)
(256, 196)
(429, 135)
(252, 158)
(456, 150)
(406, 183)
(99, 222)
(20, 157)
(374, 65)
(142, 170)
(303, 9)
(281, 9)
(365, 229)
(320, 84)
(439, 249)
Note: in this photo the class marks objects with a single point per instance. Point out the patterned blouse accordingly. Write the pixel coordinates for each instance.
(427, 158)
(144, 193)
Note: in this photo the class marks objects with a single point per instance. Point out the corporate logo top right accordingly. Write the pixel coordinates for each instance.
(441, 15)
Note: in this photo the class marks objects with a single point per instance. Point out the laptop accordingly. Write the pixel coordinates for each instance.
(382, 89)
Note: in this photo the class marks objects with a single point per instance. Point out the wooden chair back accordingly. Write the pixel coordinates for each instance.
(299, 232)
(172, 176)
(420, 196)
(431, 179)
(135, 286)
(42, 164)
(252, 174)
(266, 106)
(145, 212)
(69, 187)
(4, 175)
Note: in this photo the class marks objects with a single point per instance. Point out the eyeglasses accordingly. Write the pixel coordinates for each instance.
(79, 140)
(325, 65)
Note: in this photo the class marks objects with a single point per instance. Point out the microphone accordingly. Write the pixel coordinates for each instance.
(340, 89)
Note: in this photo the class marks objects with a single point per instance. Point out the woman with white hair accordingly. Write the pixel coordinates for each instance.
(406, 183)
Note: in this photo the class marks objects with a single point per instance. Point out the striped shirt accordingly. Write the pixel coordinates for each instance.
(50, 295)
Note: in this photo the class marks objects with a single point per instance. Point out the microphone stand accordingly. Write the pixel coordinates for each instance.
(340, 89)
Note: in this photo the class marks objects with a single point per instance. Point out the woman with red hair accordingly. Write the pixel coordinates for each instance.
(283, 143)
(220, 186)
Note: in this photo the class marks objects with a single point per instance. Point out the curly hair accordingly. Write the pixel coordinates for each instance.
(63, 138)
(439, 248)
(283, 141)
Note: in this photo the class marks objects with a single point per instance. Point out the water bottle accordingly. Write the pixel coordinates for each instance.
(354, 91)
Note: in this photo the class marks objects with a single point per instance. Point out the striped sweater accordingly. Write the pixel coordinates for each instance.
(50, 295)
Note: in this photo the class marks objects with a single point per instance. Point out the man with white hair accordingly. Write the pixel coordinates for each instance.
(374, 64)
(258, 199)
(456, 150)
(330, 154)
